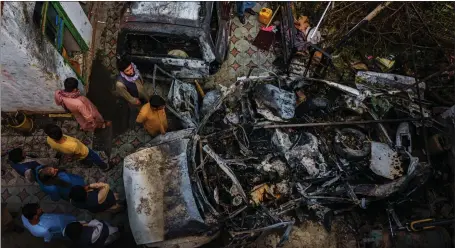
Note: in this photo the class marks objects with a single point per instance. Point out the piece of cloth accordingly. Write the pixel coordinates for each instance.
(50, 226)
(94, 158)
(92, 203)
(99, 228)
(154, 119)
(94, 234)
(242, 6)
(22, 167)
(26, 167)
(125, 89)
(57, 192)
(85, 112)
(136, 75)
(30, 176)
(71, 146)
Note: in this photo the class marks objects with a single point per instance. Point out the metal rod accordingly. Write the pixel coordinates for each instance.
(237, 212)
(424, 128)
(307, 67)
(154, 78)
(434, 223)
(320, 124)
(363, 22)
(320, 20)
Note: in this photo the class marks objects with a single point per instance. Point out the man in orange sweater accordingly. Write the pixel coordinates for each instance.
(153, 116)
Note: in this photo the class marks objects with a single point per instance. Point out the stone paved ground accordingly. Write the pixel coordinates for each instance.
(242, 54)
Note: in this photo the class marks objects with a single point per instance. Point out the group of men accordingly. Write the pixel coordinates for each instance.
(129, 86)
(60, 184)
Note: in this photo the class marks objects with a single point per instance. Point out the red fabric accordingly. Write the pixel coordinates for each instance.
(81, 107)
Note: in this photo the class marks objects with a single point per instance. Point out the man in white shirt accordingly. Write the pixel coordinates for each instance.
(44, 225)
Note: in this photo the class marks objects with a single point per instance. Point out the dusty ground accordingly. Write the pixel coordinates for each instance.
(313, 235)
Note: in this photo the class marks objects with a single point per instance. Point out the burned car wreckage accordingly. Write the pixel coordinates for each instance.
(252, 156)
(187, 39)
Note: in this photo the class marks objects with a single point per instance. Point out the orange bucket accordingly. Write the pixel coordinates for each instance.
(265, 15)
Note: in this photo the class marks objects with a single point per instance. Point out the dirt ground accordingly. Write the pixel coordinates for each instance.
(311, 234)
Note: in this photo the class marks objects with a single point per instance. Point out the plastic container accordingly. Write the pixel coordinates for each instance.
(265, 15)
(26, 124)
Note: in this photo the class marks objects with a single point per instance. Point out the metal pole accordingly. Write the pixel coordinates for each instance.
(320, 20)
(424, 128)
(320, 124)
(364, 21)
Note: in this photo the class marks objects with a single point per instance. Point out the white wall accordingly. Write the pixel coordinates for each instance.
(31, 68)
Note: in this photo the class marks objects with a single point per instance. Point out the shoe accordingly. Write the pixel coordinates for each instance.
(242, 19)
(250, 11)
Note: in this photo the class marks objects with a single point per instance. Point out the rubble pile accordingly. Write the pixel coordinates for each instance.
(272, 151)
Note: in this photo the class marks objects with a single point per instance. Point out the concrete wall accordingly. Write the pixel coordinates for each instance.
(31, 67)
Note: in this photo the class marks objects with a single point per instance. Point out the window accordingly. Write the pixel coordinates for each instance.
(70, 43)
(159, 45)
(53, 24)
(51, 19)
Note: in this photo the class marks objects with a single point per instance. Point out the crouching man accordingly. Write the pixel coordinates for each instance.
(96, 198)
(93, 234)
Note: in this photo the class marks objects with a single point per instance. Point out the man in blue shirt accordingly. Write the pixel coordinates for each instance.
(24, 165)
(243, 7)
(44, 225)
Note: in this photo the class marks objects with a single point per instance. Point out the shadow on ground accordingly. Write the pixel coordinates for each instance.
(111, 107)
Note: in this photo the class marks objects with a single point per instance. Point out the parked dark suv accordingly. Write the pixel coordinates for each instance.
(187, 39)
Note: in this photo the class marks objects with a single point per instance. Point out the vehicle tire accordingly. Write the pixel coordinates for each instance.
(350, 153)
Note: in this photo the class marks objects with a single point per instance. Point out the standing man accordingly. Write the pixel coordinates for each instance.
(81, 107)
(153, 116)
(93, 234)
(44, 225)
(130, 84)
(243, 7)
(72, 146)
